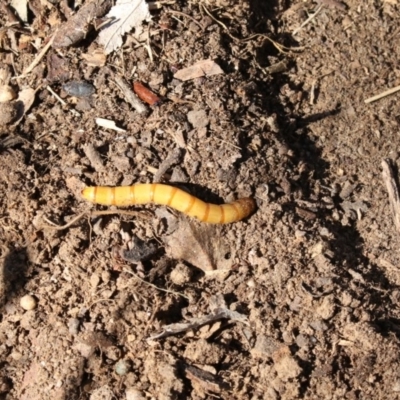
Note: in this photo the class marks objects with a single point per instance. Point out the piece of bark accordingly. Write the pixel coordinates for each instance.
(94, 157)
(78, 26)
(174, 158)
(58, 69)
(392, 186)
(205, 379)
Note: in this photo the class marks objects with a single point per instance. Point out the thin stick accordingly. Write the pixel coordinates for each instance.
(52, 225)
(120, 212)
(384, 94)
(312, 93)
(148, 47)
(74, 112)
(56, 95)
(36, 61)
(187, 16)
(277, 45)
(228, 143)
(100, 300)
(310, 18)
(130, 96)
(154, 286)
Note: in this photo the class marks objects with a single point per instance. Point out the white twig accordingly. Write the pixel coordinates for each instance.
(58, 98)
(311, 17)
(36, 61)
(383, 94)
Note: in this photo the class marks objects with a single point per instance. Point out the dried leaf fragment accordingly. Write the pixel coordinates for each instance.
(199, 245)
(5, 74)
(57, 68)
(25, 99)
(21, 7)
(201, 68)
(205, 379)
(95, 59)
(125, 15)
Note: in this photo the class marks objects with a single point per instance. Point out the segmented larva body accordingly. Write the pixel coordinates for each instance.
(172, 197)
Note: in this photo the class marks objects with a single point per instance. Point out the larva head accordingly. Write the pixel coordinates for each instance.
(247, 206)
(89, 194)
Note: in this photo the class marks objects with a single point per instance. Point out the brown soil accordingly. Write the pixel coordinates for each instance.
(314, 271)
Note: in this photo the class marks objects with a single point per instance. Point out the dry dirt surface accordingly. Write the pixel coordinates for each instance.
(300, 300)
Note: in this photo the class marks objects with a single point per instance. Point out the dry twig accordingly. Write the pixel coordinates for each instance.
(383, 94)
(52, 225)
(174, 158)
(278, 46)
(219, 310)
(310, 18)
(154, 286)
(187, 16)
(130, 96)
(58, 98)
(41, 54)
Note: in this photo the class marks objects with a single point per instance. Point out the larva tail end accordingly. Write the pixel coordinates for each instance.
(247, 205)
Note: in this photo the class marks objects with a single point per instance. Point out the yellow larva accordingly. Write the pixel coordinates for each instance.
(172, 197)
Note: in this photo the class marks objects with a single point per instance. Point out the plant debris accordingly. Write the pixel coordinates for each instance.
(313, 273)
(219, 311)
(199, 245)
(199, 69)
(78, 26)
(124, 16)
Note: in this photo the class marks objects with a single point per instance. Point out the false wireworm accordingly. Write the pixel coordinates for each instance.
(173, 197)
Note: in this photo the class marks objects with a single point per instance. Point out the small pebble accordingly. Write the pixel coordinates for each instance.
(134, 394)
(198, 118)
(8, 113)
(7, 93)
(181, 274)
(94, 281)
(251, 283)
(122, 367)
(28, 302)
(73, 326)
